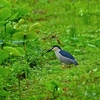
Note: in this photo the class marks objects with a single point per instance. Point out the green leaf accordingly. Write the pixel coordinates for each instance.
(13, 16)
(23, 11)
(3, 55)
(31, 35)
(10, 29)
(2, 23)
(34, 26)
(20, 22)
(12, 51)
(5, 3)
(21, 50)
(5, 13)
(18, 36)
(4, 71)
(25, 36)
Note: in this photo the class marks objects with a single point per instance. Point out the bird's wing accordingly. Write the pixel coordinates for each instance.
(66, 54)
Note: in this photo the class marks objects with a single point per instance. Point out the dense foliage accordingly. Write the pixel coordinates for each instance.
(28, 28)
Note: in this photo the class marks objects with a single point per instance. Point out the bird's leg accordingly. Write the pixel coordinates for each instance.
(63, 66)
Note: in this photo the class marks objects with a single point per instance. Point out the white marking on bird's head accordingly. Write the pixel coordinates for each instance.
(55, 47)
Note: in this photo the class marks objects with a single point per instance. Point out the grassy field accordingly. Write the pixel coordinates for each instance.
(74, 26)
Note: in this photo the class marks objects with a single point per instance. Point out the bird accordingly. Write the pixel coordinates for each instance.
(65, 57)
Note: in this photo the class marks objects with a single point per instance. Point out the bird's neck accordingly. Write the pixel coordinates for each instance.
(57, 52)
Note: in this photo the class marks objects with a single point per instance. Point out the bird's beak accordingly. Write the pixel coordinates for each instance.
(49, 50)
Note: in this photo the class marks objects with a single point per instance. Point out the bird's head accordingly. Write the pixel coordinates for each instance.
(55, 47)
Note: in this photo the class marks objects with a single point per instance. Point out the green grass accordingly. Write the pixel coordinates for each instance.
(74, 26)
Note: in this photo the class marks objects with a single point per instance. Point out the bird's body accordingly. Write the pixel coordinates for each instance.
(63, 56)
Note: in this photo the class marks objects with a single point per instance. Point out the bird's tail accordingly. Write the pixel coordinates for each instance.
(76, 63)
